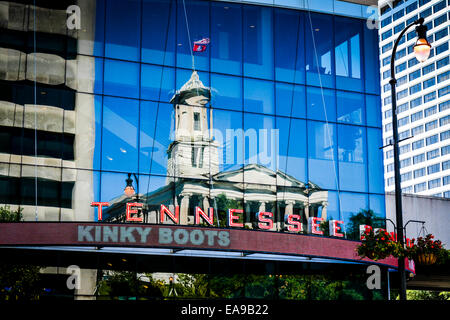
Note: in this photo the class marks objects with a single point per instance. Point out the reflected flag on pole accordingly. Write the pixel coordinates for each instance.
(200, 45)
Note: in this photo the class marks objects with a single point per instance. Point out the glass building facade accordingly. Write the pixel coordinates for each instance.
(292, 122)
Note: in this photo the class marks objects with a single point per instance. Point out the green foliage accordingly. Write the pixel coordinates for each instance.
(6, 215)
(17, 282)
(363, 217)
(427, 295)
(127, 284)
(378, 245)
(223, 204)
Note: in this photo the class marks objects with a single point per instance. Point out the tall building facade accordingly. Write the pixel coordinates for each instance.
(293, 114)
(423, 100)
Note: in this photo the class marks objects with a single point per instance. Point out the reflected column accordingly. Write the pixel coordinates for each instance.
(184, 208)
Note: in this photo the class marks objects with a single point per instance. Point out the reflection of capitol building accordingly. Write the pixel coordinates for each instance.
(46, 88)
(194, 178)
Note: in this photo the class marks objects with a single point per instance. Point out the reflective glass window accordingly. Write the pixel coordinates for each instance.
(320, 53)
(155, 136)
(197, 16)
(158, 32)
(348, 40)
(350, 107)
(290, 53)
(374, 160)
(320, 104)
(121, 78)
(120, 134)
(157, 82)
(226, 92)
(292, 144)
(322, 154)
(352, 158)
(123, 29)
(258, 39)
(226, 38)
(290, 100)
(259, 96)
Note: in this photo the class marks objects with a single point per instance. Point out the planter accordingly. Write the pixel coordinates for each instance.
(426, 259)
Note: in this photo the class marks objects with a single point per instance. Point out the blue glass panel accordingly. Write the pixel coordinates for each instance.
(197, 16)
(333, 211)
(123, 29)
(226, 35)
(258, 96)
(373, 110)
(292, 149)
(320, 104)
(371, 61)
(290, 100)
(258, 49)
(98, 105)
(322, 154)
(157, 83)
(154, 142)
(375, 160)
(290, 48)
(351, 205)
(350, 107)
(112, 187)
(377, 205)
(158, 31)
(229, 135)
(352, 158)
(226, 92)
(120, 134)
(260, 142)
(348, 39)
(320, 53)
(121, 78)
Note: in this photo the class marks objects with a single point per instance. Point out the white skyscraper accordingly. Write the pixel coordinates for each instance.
(423, 94)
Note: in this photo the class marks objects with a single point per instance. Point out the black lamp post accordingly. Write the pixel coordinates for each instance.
(422, 52)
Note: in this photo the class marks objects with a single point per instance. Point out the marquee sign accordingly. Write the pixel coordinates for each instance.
(264, 219)
(182, 237)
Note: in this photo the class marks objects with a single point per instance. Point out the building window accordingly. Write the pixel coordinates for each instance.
(444, 105)
(446, 165)
(386, 34)
(415, 88)
(443, 76)
(197, 156)
(420, 187)
(440, 34)
(434, 168)
(444, 120)
(406, 176)
(429, 97)
(403, 121)
(402, 107)
(419, 158)
(389, 154)
(435, 183)
(419, 173)
(432, 140)
(415, 103)
(432, 154)
(441, 48)
(405, 163)
(417, 130)
(428, 69)
(430, 111)
(445, 180)
(197, 121)
(410, 8)
(415, 74)
(403, 135)
(442, 63)
(443, 91)
(404, 149)
(439, 6)
(431, 125)
(418, 144)
(429, 83)
(412, 62)
(440, 20)
(445, 135)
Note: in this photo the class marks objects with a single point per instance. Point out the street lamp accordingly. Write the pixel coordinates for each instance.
(422, 52)
(129, 189)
